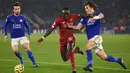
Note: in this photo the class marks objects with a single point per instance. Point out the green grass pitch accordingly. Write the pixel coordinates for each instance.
(48, 56)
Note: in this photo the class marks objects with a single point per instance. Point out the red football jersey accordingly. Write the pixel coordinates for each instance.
(62, 24)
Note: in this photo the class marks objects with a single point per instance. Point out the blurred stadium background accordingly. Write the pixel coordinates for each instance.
(42, 13)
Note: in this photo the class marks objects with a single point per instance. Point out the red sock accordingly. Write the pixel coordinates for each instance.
(75, 51)
(72, 60)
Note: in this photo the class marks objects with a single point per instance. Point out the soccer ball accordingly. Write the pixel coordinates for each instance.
(18, 69)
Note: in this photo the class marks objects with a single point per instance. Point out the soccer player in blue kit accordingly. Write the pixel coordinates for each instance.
(16, 23)
(92, 23)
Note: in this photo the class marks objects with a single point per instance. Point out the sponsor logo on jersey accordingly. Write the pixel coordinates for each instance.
(21, 20)
(91, 23)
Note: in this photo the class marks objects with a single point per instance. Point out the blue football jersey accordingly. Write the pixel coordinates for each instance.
(16, 25)
(92, 28)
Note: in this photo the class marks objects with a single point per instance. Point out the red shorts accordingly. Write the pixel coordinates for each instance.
(63, 42)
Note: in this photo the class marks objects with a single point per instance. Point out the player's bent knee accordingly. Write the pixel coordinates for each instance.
(65, 59)
(26, 46)
(15, 51)
(103, 57)
(101, 54)
(15, 48)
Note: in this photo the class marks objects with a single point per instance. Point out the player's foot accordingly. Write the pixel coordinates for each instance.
(79, 51)
(86, 68)
(35, 65)
(74, 71)
(21, 61)
(121, 62)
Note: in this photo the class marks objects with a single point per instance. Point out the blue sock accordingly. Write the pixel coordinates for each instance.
(89, 57)
(112, 59)
(31, 57)
(20, 57)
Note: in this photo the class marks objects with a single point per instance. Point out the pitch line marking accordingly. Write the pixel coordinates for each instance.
(11, 60)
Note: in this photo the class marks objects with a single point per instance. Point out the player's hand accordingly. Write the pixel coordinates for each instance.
(40, 40)
(90, 20)
(5, 38)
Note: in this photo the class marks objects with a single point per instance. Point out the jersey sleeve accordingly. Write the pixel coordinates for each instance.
(82, 21)
(56, 23)
(5, 25)
(26, 25)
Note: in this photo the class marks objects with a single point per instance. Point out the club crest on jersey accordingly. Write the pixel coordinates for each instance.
(21, 20)
(64, 25)
(71, 20)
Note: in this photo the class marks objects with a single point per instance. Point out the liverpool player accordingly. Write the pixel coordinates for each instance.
(67, 39)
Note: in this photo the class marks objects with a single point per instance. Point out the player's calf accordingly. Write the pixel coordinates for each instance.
(20, 57)
(65, 59)
(30, 54)
(117, 60)
(17, 53)
(31, 57)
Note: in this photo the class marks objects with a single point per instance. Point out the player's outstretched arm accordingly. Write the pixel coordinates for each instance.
(78, 27)
(27, 27)
(5, 28)
(46, 34)
(55, 24)
(100, 16)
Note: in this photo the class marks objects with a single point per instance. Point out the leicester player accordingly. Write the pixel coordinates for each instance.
(16, 23)
(92, 24)
(67, 39)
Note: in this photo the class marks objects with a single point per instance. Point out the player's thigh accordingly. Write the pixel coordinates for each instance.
(98, 42)
(63, 51)
(95, 42)
(14, 44)
(25, 43)
(70, 44)
(90, 45)
(101, 53)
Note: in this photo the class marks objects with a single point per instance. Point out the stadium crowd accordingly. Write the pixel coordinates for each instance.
(43, 12)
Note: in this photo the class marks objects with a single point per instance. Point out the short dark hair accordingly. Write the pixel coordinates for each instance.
(16, 4)
(65, 8)
(91, 4)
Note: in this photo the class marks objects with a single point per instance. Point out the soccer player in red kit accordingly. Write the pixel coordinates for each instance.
(67, 39)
